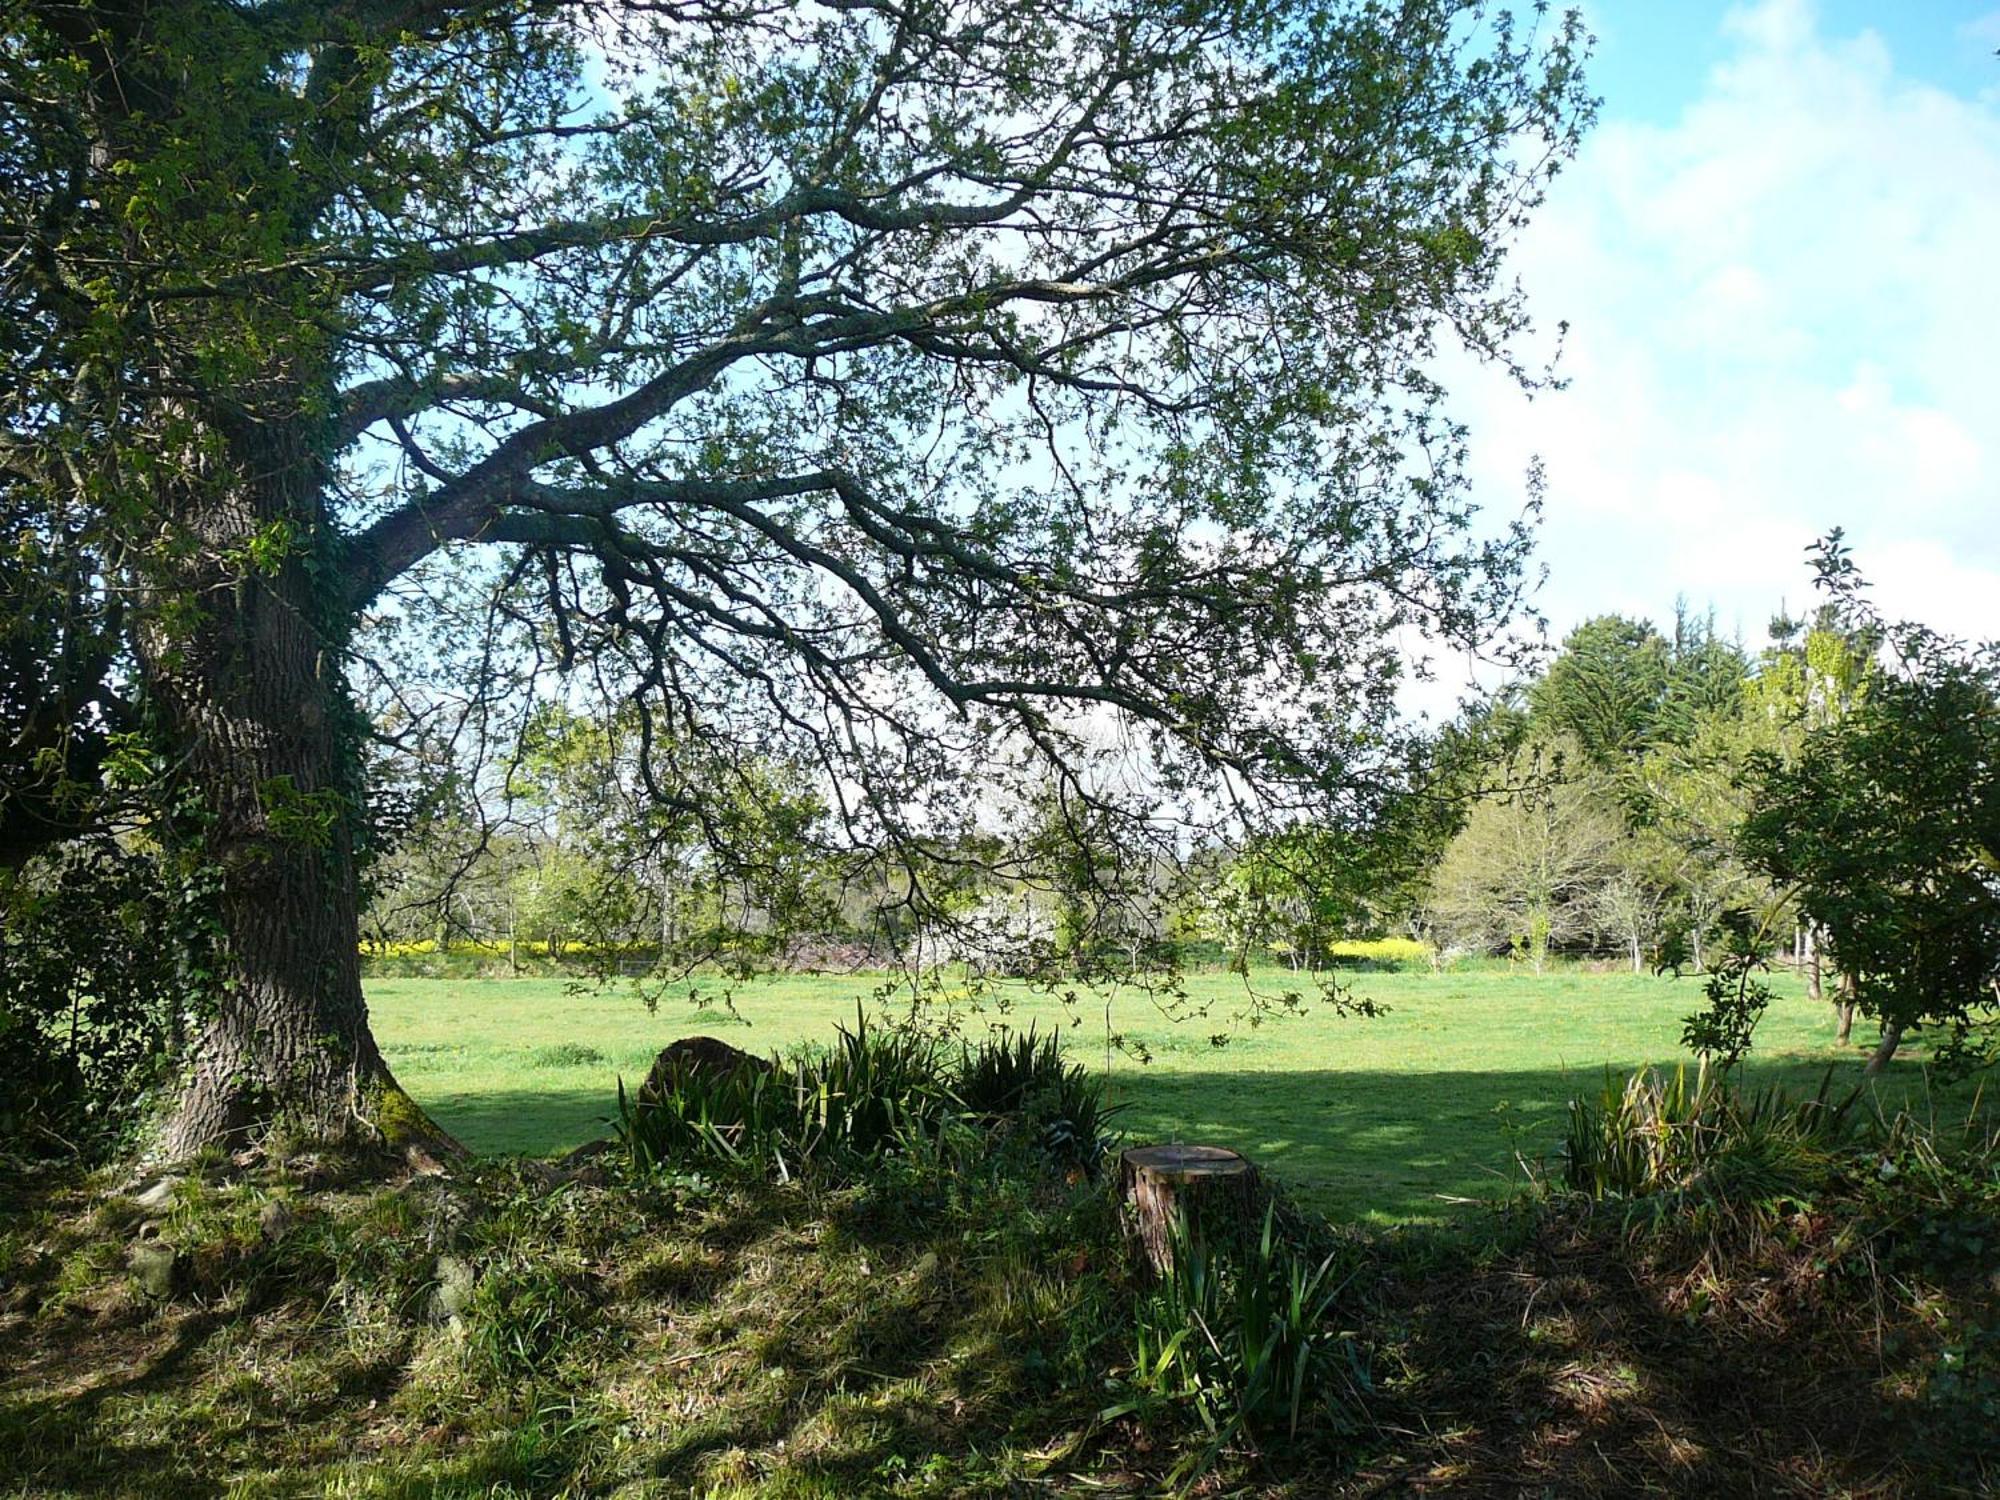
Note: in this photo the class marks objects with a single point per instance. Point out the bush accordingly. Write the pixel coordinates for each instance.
(1680, 1134)
(1025, 1077)
(876, 1091)
(102, 957)
(831, 1107)
(1389, 953)
(1241, 1336)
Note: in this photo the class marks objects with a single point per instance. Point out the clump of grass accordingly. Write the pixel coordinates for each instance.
(566, 1055)
(875, 1091)
(1025, 1077)
(1685, 1133)
(1242, 1336)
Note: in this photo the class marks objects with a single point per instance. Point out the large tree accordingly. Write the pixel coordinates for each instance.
(1536, 867)
(925, 387)
(1885, 827)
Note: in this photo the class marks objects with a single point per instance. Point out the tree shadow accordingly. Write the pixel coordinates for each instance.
(1594, 1362)
(1397, 1146)
(1380, 1146)
(778, 1333)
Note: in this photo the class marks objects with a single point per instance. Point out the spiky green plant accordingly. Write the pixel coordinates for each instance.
(1022, 1075)
(1243, 1336)
(1653, 1133)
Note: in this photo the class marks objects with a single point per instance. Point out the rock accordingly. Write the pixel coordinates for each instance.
(157, 1269)
(692, 1055)
(587, 1153)
(456, 1282)
(274, 1219)
(585, 1166)
(422, 1162)
(158, 1195)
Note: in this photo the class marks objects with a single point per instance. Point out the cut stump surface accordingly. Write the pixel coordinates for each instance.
(1215, 1190)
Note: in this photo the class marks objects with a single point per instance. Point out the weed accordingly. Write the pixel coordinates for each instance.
(1024, 1076)
(1693, 1134)
(876, 1092)
(566, 1055)
(1242, 1336)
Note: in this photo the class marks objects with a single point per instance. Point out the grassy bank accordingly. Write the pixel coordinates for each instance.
(956, 1324)
(1386, 1119)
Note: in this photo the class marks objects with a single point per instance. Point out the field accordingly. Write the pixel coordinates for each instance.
(1394, 1118)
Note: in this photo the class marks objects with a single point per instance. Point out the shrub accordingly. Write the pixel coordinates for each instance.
(876, 1091)
(1381, 953)
(1002, 1073)
(1025, 1077)
(103, 958)
(1659, 1134)
(832, 1107)
(1241, 1336)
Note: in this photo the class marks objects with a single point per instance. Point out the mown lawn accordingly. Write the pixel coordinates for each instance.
(1386, 1119)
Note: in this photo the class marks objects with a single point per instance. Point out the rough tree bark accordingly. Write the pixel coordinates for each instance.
(250, 680)
(1206, 1187)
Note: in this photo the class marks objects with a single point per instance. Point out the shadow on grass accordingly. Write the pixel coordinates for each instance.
(1356, 1144)
(1585, 1364)
(779, 1344)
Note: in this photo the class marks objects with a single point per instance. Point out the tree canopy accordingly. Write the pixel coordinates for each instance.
(896, 390)
(1885, 825)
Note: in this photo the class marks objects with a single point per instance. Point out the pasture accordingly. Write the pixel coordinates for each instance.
(1406, 1116)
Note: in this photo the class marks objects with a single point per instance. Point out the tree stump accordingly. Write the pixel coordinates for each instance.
(1211, 1188)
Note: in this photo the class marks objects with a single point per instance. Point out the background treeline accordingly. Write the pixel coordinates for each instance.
(1659, 799)
(1593, 810)
(1614, 823)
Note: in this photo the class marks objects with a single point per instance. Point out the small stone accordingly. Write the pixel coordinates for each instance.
(156, 1267)
(456, 1283)
(422, 1162)
(158, 1195)
(274, 1219)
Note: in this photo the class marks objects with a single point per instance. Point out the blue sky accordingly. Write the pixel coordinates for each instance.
(1779, 257)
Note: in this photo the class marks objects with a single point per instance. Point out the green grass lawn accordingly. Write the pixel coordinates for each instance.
(1386, 1119)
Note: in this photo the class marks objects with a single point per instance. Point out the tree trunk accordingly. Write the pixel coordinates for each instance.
(1843, 1009)
(1206, 1187)
(1814, 982)
(1892, 1036)
(1638, 958)
(243, 656)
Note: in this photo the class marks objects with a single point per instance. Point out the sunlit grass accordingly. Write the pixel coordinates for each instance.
(1385, 1119)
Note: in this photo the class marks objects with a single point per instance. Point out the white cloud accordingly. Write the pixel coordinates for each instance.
(1784, 316)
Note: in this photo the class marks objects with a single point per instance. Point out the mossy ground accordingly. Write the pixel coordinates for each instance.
(958, 1333)
(496, 1334)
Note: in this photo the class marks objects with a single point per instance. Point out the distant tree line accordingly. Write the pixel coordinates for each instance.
(1662, 798)
(1832, 800)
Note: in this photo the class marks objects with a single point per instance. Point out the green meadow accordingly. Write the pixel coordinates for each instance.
(1399, 1117)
